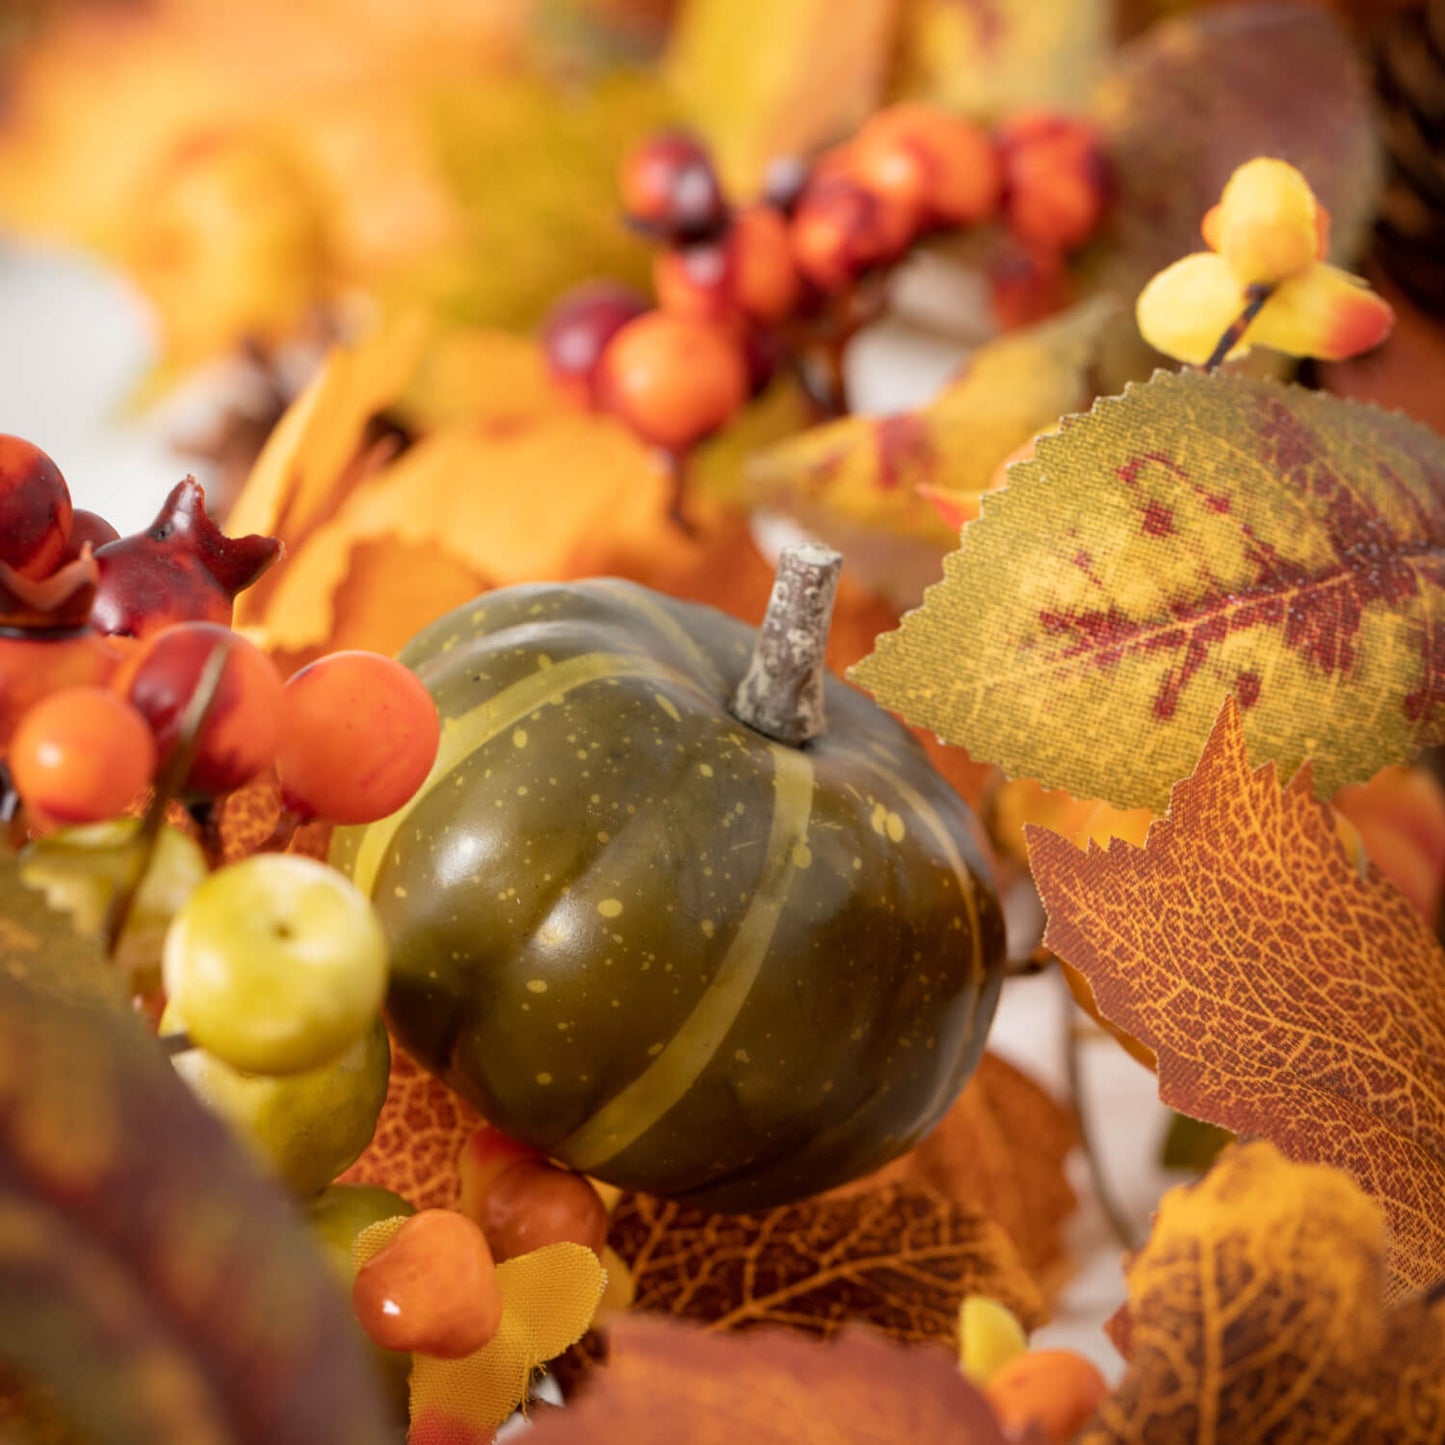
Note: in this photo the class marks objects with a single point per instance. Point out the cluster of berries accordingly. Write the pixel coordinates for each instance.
(789, 277)
(105, 642)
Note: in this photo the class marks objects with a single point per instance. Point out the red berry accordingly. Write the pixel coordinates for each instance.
(939, 163)
(35, 509)
(577, 329)
(841, 229)
(359, 733)
(81, 755)
(746, 275)
(1056, 179)
(1027, 284)
(532, 1203)
(673, 381)
(669, 188)
(88, 527)
(487, 1153)
(239, 736)
(182, 568)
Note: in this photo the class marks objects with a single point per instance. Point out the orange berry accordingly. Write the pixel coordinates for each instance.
(841, 229)
(81, 755)
(1026, 284)
(672, 380)
(533, 1203)
(939, 163)
(359, 733)
(747, 274)
(432, 1289)
(1056, 1391)
(669, 187)
(1055, 179)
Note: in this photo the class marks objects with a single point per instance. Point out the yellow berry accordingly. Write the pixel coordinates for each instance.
(989, 1335)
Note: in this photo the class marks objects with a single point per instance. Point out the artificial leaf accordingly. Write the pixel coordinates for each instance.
(1284, 994)
(158, 1284)
(1196, 97)
(1003, 56)
(901, 1257)
(665, 1382)
(549, 1297)
(809, 83)
(1001, 1149)
(419, 1137)
(1201, 535)
(866, 472)
(1257, 1315)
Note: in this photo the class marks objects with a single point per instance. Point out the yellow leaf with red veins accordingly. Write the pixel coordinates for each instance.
(900, 1257)
(666, 1383)
(1284, 994)
(1200, 535)
(1259, 1315)
(907, 476)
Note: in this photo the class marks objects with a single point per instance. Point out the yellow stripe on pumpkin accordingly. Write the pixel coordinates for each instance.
(463, 735)
(629, 1114)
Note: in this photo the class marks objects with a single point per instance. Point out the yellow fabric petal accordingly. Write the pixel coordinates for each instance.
(1188, 306)
(1266, 225)
(1323, 312)
(549, 1298)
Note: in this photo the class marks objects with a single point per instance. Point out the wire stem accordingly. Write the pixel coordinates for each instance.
(1257, 295)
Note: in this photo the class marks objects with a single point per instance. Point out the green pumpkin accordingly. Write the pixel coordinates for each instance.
(654, 943)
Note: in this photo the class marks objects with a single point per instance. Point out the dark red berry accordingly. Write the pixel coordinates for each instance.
(88, 527)
(578, 328)
(35, 509)
(670, 189)
(841, 229)
(182, 568)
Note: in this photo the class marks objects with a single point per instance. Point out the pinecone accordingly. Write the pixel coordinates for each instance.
(1410, 230)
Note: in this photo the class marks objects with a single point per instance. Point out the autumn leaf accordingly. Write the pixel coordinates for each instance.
(897, 475)
(149, 1275)
(1001, 1150)
(1284, 994)
(1258, 1313)
(1201, 535)
(761, 80)
(419, 1137)
(665, 1382)
(901, 1258)
(1005, 55)
(1195, 97)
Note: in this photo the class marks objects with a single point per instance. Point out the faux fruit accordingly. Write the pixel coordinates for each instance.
(431, 1289)
(534, 1203)
(276, 963)
(655, 944)
(35, 504)
(307, 1127)
(1052, 1392)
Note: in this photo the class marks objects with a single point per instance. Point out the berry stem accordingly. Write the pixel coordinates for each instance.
(674, 464)
(1257, 295)
(781, 694)
(168, 785)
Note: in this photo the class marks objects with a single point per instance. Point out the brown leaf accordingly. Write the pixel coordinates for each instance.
(1284, 994)
(1001, 1150)
(149, 1274)
(666, 1383)
(900, 1257)
(1257, 1318)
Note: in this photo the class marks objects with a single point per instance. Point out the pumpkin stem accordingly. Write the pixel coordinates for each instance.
(782, 692)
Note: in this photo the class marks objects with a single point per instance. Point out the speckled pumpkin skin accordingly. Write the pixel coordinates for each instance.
(654, 943)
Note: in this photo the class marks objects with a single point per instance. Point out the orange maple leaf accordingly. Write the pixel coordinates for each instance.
(1257, 1319)
(1284, 994)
